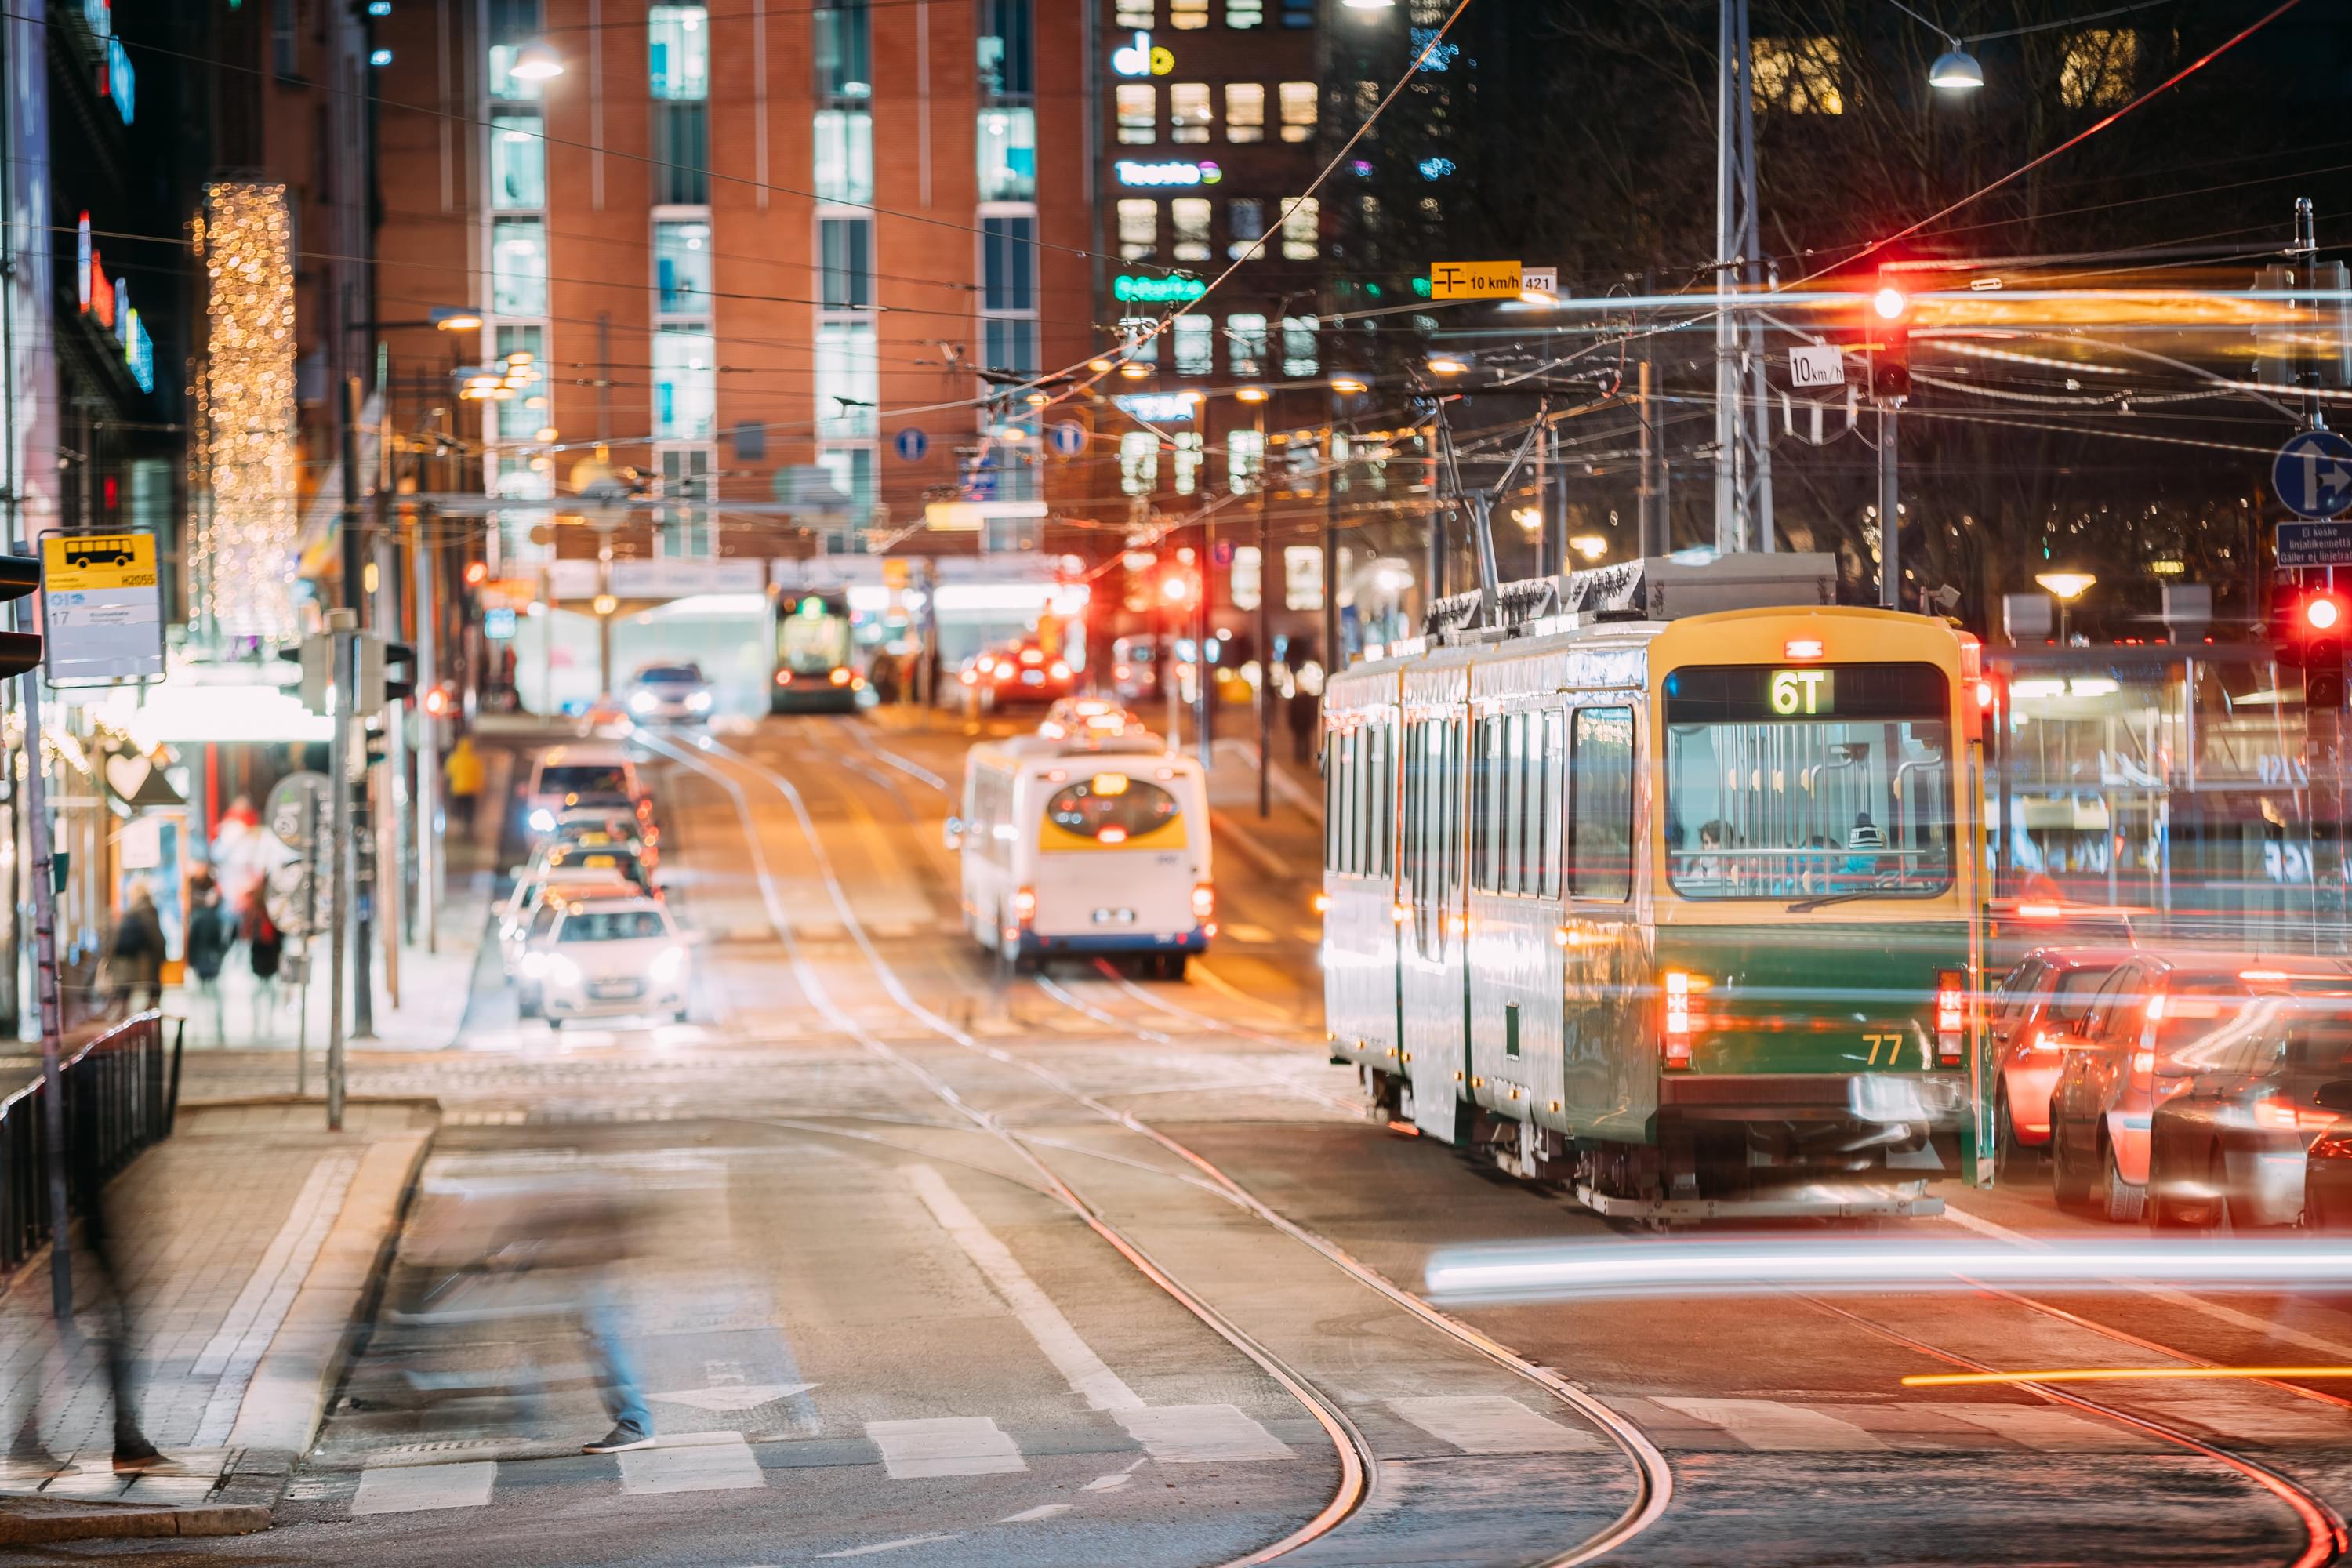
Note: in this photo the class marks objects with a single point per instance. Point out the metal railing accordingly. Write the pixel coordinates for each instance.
(122, 1091)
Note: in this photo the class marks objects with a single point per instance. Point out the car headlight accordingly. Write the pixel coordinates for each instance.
(668, 963)
(543, 820)
(534, 964)
(641, 702)
(562, 971)
(697, 701)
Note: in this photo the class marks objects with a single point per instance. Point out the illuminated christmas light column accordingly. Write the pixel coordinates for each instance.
(244, 548)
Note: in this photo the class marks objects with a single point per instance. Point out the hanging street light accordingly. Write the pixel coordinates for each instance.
(1956, 70)
(536, 61)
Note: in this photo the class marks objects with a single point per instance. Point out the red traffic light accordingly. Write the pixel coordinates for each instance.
(2322, 612)
(1890, 303)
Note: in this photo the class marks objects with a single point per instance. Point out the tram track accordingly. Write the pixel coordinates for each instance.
(1652, 1476)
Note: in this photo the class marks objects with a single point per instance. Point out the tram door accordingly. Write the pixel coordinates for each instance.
(1433, 977)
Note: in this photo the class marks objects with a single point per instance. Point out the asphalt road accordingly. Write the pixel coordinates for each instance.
(940, 1267)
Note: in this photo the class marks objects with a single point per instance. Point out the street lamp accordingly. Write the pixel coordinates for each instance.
(1956, 70)
(1591, 546)
(455, 319)
(1442, 363)
(1369, 5)
(2068, 587)
(1347, 386)
(536, 61)
(1249, 395)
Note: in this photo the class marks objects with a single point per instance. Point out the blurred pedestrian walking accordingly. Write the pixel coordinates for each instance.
(212, 932)
(265, 945)
(464, 772)
(136, 960)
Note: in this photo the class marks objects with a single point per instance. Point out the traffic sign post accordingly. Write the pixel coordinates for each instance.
(2313, 474)
(1068, 437)
(2314, 543)
(910, 443)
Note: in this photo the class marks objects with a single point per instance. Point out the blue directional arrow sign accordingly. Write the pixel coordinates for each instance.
(2313, 474)
(910, 443)
(1068, 437)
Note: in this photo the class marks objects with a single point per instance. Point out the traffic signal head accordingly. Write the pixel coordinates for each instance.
(1890, 303)
(1886, 327)
(316, 656)
(2322, 612)
(20, 576)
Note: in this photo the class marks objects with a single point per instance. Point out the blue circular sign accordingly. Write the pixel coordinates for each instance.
(1068, 437)
(910, 443)
(2313, 474)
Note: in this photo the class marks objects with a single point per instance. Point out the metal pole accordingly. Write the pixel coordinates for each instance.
(340, 624)
(1890, 561)
(1647, 527)
(358, 861)
(1726, 332)
(425, 567)
(1265, 639)
(1202, 681)
(312, 827)
(1335, 657)
(45, 973)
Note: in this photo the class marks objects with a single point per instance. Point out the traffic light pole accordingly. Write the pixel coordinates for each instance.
(45, 984)
(353, 812)
(342, 625)
(1890, 512)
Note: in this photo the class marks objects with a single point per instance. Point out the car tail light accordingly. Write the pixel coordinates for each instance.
(2040, 913)
(2278, 1114)
(1204, 901)
(1024, 905)
(838, 676)
(1951, 1016)
(1123, 672)
(784, 678)
(1678, 1018)
(1031, 655)
(969, 678)
(1059, 670)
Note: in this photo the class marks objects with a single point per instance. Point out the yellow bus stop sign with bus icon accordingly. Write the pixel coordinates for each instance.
(91, 562)
(101, 608)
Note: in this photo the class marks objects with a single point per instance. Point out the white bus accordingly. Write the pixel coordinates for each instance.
(1078, 846)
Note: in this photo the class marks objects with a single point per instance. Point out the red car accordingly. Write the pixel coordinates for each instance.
(2049, 990)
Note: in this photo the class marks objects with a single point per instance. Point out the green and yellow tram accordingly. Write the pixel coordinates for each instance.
(1678, 909)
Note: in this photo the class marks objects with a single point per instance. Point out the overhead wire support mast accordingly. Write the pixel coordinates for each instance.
(1743, 424)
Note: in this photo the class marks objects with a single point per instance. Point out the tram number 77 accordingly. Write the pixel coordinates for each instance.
(1808, 691)
(1891, 1043)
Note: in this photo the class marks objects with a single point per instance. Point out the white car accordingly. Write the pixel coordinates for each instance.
(566, 774)
(533, 893)
(670, 692)
(610, 958)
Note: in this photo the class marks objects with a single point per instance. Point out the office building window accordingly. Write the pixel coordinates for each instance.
(682, 266)
(1139, 114)
(684, 527)
(1245, 459)
(519, 266)
(1196, 350)
(1007, 141)
(517, 163)
(1185, 15)
(1301, 233)
(1138, 228)
(504, 83)
(1007, 52)
(520, 478)
(1297, 13)
(847, 382)
(1011, 344)
(681, 154)
(1245, 12)
(2101, 69)
(1244, 111)
(1799, 75)
(852, 471)
(1008, 263)
(1298, 106)
(523, 416)
(510, 21)
(1299, 354)
(1188, 445)
(1190, 217)
(1138, 462)
(686, 384)
(843, 35)
(846, 256)
(844, 156)
(1246, 344)
(1132, 14)
(1190, 117)
(677, 51)
(1246, 217)
(1143, 342)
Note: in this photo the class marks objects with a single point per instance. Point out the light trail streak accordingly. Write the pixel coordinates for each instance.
(2123, 1375)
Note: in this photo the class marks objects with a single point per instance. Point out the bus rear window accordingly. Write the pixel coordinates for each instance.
(585, 778)
(1111, 808)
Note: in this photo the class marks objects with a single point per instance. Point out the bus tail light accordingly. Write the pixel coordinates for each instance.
(1024, 905)
(1951, 1017)
(1204, 901)
(1678, 1019)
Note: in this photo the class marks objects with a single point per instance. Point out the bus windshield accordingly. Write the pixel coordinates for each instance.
(812, 642)
(1819, 782)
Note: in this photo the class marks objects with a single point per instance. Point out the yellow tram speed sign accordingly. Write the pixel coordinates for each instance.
(1475, 280)
(96, 562)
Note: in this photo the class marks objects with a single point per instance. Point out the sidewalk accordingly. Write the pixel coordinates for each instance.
(251, 1240)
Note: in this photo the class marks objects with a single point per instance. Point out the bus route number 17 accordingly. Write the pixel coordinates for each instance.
(1802, 691)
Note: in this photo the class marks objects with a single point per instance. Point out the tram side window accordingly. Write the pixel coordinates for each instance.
(1330, 800)
(1410, 824)
(1548, 801)
(1380, 785)
(1600, 825)
(1450, 842)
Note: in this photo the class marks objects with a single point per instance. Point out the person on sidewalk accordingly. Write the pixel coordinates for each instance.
(211, 934)
(265, 944)
(135, 962)
(464, 770)
(109, 1311)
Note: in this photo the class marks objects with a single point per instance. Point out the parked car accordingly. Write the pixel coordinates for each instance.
(2239, 1123)
(2149, 1009)
(2032, 1011)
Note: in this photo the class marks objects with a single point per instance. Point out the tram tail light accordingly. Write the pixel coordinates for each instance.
(1951, 1017)
(1322, 903)
(1204, 901)
(1678, 1018)
(1024, 905)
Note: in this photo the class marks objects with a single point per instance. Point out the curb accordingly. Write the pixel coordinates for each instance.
(114, 1521)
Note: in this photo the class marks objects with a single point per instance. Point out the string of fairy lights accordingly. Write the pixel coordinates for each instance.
(246, 407)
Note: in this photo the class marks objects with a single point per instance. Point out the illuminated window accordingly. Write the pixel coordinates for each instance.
(847, 382)
(1299, 354)
(1190, 217)
(1244, 111)
(1138, 228)
(1132, 14)
(1245, 12)
(1138, 462)
(517, 163)
(1188, 115)
(1008, 263)
(686, 384)
(844, 156)
(1196, 345)
(1007, 141)
(1143, 344)
(2100, 69)
(1007, 58)
(1246, 344)
(1797, 76)
(682, 266)
(504, 83)
(1185, 15)
(519, 266)
(1245, 459)
(842, 34)
(1301, 233)
(1298, 105)
(523, 416)
(1190, 449)
(677, 51)
(1139, 114)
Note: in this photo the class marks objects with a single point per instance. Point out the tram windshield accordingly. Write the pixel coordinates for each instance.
(1817, 783)
(811, 638)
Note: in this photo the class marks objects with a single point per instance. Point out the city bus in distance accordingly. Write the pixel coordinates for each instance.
(1086, 847)
(1674, 904)
(815, 664)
